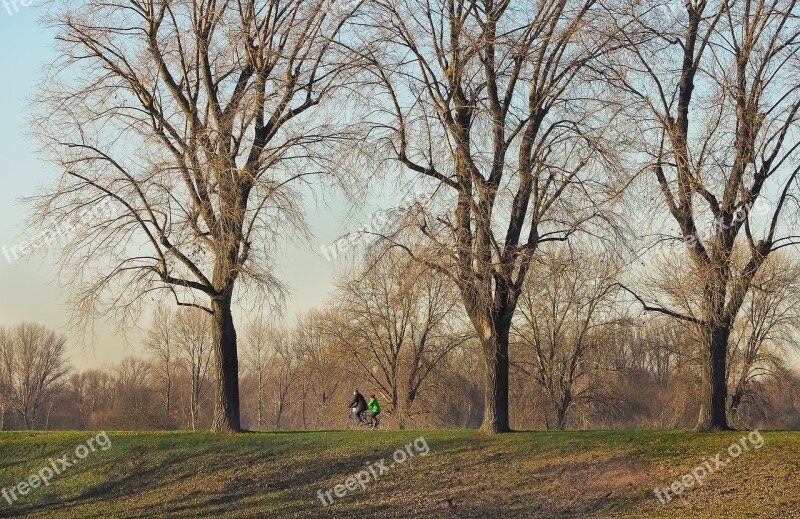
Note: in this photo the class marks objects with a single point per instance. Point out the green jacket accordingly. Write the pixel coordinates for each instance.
(374, 406)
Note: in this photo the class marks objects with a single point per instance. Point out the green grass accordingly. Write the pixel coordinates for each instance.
(605, 474)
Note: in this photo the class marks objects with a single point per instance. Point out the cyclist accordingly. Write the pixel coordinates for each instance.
(375, 407)
(358, 404)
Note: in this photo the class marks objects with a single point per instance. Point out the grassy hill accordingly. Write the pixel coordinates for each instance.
(444, 473)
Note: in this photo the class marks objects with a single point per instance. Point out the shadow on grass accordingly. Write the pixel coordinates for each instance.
(278, 474)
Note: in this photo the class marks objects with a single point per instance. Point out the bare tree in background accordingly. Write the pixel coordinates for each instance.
(93, 391)
(493, 104)
(766, 332)
(286, 359)
(320, 372)
(396, 321)
(257, 360)
(194, 347)
(33, 367)
(191, 123)
(563, 322)
(714, 96)
(162, 344)
(653, 364)
(273, 358)
(133, 392)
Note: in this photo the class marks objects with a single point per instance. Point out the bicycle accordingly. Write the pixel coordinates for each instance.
(367, 421)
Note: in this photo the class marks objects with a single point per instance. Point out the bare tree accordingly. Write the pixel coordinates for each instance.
(190, 123)
(493, 104)
(771, 318)
(713, 98)
(162, 344)
(33, 367)
(563, 322)
(286, 359)
(273, 358)
(321, 374)
(257, 360)
(396, 321)
(133, 394)
(193, 342)
(93, 391)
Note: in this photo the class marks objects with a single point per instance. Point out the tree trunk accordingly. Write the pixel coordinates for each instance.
(278, 411)
(260, 398)
(741, 387)
(195, 397)
(303, 412)
(168, 394)
(396, 410)
(47, 420)
(226, 363)
(714, 390)
(405, 412)
(29, 418)
(736, 400)
(495, 411)
(561, 411)
(739, 393)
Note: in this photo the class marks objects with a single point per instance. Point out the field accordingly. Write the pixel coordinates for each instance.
(443, 473)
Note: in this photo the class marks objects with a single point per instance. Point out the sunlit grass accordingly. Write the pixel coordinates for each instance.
(528, 474)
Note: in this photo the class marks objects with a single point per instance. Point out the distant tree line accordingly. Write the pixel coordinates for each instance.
(584, 356)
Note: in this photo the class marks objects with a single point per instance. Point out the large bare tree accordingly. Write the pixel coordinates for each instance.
(714, 97)
(192, 123)
(493, 105)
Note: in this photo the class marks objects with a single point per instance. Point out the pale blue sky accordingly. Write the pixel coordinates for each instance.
(27, 293)
(29, 288)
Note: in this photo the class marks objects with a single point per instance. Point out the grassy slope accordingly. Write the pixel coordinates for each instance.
(529, 474)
